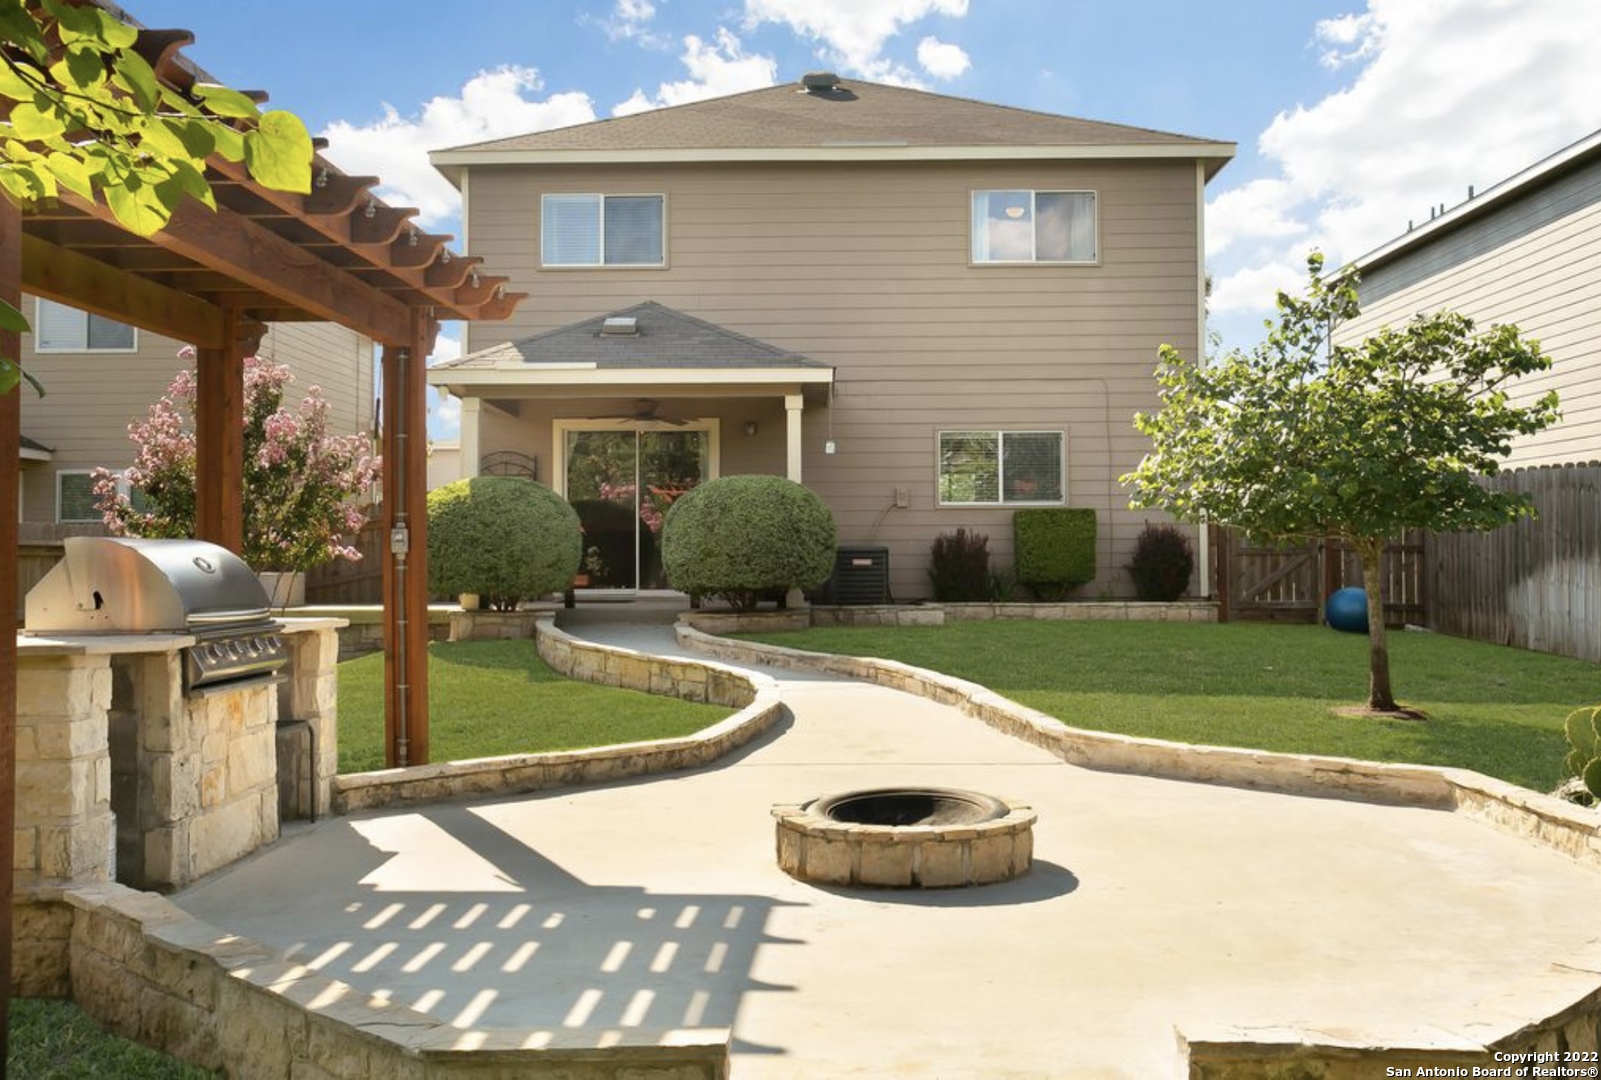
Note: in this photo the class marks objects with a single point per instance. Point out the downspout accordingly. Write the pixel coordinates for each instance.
(400, 545)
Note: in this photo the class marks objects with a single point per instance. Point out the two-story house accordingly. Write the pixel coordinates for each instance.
(930, 310)
(99, 375)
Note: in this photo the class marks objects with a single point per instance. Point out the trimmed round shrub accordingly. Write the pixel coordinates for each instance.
(739, 537)
(1161, 564)
(505, 538)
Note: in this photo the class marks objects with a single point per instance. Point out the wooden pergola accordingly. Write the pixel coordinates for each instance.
(214, 280)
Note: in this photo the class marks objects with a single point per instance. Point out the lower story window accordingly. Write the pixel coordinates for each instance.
(75, 496)
(76, 500)
(1001, 468)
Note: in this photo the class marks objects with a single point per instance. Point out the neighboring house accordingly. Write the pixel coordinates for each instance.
(99, 375)
(1527, 252)
(932, 311)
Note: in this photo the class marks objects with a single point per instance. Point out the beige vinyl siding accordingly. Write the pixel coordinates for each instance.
(1548, 283)
(867, 268)
(91, 398)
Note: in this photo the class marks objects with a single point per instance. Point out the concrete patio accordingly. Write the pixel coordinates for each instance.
(1153, 905)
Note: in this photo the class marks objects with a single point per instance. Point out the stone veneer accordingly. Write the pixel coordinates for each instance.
(765, 622)
(114, 757)
(1257, 1054)
(813, 847)
(755, 698)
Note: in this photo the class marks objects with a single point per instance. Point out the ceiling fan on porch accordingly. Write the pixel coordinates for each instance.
(645, 412)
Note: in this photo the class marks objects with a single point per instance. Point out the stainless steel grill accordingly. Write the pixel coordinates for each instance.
(114, 585)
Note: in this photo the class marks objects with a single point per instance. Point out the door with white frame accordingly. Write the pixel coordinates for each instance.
(621, 478)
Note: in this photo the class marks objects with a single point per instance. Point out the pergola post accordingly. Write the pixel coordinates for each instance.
(220, 440)
(405, 570)
(10, 446)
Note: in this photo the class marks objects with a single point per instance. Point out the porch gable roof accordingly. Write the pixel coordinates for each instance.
(660, 346)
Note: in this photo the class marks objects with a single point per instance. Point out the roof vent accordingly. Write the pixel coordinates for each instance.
(820, 82)
(619, 326)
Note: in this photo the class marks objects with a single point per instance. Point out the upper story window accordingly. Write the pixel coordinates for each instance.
(1001, 468)
(602, 230)
(58, 328)
(1034, 227)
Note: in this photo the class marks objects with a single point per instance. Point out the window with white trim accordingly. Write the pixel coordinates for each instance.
(58, 328)
(602, 230)
(1002, 468)
(1025, 226)
(76, 498)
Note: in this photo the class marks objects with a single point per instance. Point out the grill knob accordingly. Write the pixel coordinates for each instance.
(214, 653)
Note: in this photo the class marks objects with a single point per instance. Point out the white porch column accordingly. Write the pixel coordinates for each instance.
(469, 437)
(793, 405)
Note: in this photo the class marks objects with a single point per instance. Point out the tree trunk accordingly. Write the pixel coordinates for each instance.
(1380, 697)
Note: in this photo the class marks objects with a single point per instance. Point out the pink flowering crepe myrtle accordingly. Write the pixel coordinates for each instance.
(300, 483)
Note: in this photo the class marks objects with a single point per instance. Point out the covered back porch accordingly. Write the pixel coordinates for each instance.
(623, 412)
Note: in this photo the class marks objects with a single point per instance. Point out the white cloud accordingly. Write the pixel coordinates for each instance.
(853, 31)
(444, 412)
(1443, 95)
(630, 20)
(1262, 209)
(493, 104)
(942, 59)
(446, 348)
(715, 68)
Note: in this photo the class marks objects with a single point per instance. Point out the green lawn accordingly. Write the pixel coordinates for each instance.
(1493, 709)
(487, 698)
(54, 1040)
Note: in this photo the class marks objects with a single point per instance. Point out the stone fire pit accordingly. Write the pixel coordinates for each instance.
(926, 838)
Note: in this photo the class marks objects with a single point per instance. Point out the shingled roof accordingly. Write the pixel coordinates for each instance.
(662, 338)
(853, 119)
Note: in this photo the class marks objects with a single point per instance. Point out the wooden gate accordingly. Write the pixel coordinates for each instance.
(1289, 583)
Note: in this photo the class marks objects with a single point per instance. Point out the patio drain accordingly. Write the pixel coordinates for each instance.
(900, 838)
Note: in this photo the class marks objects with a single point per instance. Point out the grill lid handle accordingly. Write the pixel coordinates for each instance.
(227, 615)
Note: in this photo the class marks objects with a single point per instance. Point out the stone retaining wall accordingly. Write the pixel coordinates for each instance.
(755, 697)
(1255, 1054)
(148, 971)
(766, 622)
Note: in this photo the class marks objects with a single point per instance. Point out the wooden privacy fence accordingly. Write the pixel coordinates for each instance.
(1290, 583)
(1535, 584)
(343, 582)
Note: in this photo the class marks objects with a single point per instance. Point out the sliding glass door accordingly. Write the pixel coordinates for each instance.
(621, 481)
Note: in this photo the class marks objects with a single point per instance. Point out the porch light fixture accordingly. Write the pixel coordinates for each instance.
(750, 427)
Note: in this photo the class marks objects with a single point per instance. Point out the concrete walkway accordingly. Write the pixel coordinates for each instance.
(1152, 905)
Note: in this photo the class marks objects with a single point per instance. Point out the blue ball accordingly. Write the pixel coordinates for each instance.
(1347, 610)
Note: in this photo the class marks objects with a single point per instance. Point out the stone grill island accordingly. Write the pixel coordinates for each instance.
(905, 837)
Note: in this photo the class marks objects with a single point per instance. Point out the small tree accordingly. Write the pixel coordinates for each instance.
(1301, 438)
(299, 481)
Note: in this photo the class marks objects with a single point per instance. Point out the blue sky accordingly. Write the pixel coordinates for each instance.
(1352, 116)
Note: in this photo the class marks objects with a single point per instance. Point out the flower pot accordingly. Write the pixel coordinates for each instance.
(285, 588)
(468, 601)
